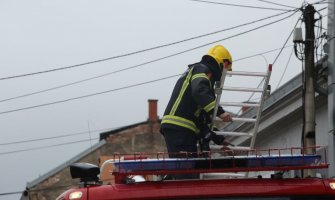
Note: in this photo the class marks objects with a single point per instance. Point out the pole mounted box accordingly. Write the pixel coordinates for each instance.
(297, 35)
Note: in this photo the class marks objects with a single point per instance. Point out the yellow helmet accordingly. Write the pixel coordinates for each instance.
(220, 53)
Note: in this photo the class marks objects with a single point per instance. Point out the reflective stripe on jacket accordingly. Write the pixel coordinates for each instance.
(192, 94)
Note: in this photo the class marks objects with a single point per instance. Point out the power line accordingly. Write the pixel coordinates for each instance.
(135, 66)
(321, 27)
(140, 51)
(321, 9)
(265, 52)
(320, 2)
(243, 6)
(10, 193)
(147, 82)
(84, 80)
(85, 96)
(282, 76)
(48, 146)
(98, 130)
(106, 129)
(278, 4)
(95, 77)
(110, 73)
(54, 137)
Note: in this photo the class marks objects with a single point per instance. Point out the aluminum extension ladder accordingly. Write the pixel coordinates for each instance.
(258, 105)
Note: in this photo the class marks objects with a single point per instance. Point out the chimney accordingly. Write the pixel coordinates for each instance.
(153, 117)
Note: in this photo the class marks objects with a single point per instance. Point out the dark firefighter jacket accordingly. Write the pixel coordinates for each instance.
(193, 96)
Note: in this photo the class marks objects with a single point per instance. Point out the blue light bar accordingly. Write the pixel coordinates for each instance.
(128, 166)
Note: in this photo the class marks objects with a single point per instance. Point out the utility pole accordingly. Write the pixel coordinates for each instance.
(331, 87)
(309, 91)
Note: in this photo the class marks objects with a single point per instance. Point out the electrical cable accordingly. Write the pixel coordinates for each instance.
(321, 27)
(323, 9)
(282, 76)
(320, 39)
(84, 80)
(89, 95)
(242, 6)
(143, 83)
(320, 2)
(45, 147)
(106, 74)
(54, 137)
(278, 4)
(300, 53)
(265, 52)
(10, 193)
(328, 40)
(140, 51)
(106, 129)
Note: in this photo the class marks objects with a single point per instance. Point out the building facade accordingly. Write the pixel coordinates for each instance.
(140, 137)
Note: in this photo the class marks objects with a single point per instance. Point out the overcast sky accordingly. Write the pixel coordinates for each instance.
(40, 35)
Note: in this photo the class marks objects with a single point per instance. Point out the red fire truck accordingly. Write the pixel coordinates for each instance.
(134, 177)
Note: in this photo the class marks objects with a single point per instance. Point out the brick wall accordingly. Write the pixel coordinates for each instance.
(141, 138)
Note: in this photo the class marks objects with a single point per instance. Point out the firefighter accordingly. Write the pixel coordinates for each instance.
(192, 98)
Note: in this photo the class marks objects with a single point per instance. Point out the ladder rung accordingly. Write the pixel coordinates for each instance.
(241, 89)
(236, 119)
(226, 133)
(239, 104)
(247, 73)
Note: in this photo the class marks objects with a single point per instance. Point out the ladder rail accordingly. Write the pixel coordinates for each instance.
(218, 92)
(260, 108)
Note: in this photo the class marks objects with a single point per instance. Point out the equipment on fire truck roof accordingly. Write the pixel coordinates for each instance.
(171, 164)
(206, 162)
